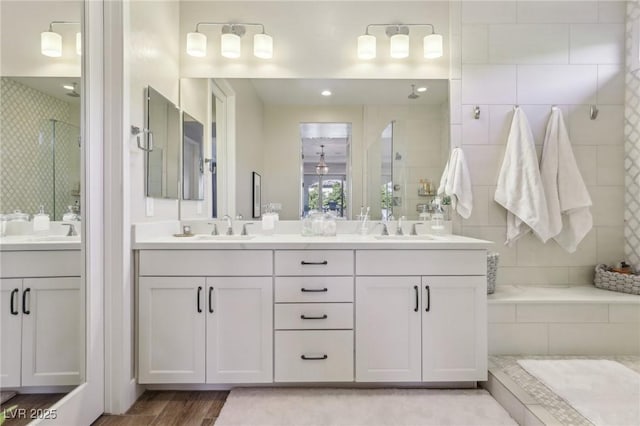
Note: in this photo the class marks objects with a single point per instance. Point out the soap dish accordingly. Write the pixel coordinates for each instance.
(184, 235)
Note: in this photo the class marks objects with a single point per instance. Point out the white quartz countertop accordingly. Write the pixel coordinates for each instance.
(296, 242)
(39, 243)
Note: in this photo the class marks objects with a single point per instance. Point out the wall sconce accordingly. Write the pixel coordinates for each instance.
(51, 42)
(230, 41)
(399, 42)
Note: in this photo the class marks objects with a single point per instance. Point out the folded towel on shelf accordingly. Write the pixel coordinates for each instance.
(456, 183)
(568, 200)
(519, 187)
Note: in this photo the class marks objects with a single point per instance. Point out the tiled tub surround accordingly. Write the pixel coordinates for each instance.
(539, 54)
(578, 320)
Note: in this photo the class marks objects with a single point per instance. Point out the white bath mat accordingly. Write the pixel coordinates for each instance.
(605, 392)
(354, 407)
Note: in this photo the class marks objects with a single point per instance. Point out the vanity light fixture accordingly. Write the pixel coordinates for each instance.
(230, 41)
(322, 168)
(421, 89)
(399, 41)
(326, 93)
(51, 42)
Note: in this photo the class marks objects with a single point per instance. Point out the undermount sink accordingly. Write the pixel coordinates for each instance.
(404, 237)
(223, 237)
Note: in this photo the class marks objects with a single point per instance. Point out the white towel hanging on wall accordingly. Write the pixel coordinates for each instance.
(519, 187)
(568, 200)
(456, 183)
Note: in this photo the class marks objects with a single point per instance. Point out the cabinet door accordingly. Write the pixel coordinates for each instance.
(454, 328)
(388, 329)
(172, 329)
(239, 329)
(10, 332)
(52, 332)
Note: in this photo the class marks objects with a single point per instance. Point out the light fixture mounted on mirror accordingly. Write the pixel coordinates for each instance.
(51, 42)
(322, 168)
(230, 41)
(399, 42)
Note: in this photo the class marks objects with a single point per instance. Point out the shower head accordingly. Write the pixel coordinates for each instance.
(73, 93)
(413, 94)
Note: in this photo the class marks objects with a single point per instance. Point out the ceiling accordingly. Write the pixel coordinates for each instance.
(286, 91)
(52, 86)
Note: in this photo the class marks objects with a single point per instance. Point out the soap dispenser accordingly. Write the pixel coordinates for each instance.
(41, 221)
(437, 217)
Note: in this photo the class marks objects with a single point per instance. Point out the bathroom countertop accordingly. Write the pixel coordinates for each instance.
(297, 242)
(39, 243)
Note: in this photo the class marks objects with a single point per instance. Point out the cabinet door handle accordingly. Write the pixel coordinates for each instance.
(428, 298)
(303, 316)
(417, 308)
(210, 300)
(198, 300)
(24, 302)
(304, 262)
(314, 358)
(314, 290)
(14, 293)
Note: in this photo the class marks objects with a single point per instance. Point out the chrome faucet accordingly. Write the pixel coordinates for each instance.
(214, 230)
(229, 224)
(244, 228)
(413, 228)
(399, 227)
(72, 229)
(385, 231)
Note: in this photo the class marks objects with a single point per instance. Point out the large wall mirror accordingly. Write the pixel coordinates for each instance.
(398, 142)
(42, 337)
(162, 121)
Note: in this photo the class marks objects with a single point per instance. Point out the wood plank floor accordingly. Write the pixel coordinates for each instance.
(28, 403)
(165, 408)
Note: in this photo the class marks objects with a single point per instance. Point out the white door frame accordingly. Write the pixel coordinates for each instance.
(86, 402)
(226, 145)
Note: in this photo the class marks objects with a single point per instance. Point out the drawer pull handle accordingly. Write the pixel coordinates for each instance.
(199, 308)
(14, 293)
(415, 287)
(428, 298)
(314, 358)
(210, 301)
(303, 316)
(304, 262)
(24, 302)
(314, 290)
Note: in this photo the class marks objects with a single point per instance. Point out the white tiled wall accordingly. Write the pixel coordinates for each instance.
(539, 54)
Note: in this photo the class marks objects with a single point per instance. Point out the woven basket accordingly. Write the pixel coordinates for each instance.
(492, 270)
(615, 281)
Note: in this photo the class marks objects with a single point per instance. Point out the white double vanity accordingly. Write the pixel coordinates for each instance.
(290, 309)
(42, 313)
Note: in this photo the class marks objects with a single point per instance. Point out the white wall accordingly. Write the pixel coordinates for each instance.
(153, 61)
(20, 33)
(281, 181)
(314, 39)
(250, 144)
(538, 54)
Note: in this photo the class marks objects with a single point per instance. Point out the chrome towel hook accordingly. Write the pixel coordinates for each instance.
(476, 112)
(135, 131)
(593, 112)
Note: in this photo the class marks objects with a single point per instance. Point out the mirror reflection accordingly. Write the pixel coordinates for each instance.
(162, 146)
(192, 158)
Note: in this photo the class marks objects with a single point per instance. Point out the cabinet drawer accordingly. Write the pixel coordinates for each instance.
(314, 356)
(310, 316)
(206, 262)
(314, 289)
(314, 262)
(421, 262)
(59, 263)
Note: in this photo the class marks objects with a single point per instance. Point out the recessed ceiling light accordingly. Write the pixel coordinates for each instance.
(68, 86)
(421, 89)
(326, 93)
